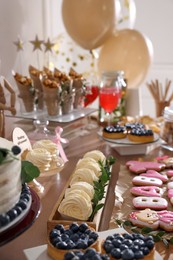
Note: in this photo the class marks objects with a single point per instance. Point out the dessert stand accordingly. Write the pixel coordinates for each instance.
(126, 147)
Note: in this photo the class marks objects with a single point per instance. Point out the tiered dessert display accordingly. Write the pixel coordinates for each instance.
(59, 92)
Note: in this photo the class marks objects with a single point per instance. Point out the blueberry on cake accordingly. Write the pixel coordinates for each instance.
(114, 132)
(141, 135)
(130, 126)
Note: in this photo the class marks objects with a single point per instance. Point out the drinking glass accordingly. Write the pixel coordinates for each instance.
(109, 93)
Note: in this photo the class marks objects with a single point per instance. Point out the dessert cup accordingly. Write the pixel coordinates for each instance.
(79, 93)
(36, 78)
(52, 100)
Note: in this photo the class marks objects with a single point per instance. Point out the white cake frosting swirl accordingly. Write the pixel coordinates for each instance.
(96, 155)
(81, 185)
(89, 163)
(76, 205)
(10, 179)
(50, 146)
(40, 157)
(84, 174)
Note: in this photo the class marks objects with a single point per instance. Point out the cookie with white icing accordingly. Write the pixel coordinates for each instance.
(155, 203)
(146, 181)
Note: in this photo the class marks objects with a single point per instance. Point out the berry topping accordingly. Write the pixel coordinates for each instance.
(15, 150)
(128, 246)
(141, 132)
(12, 214)
(75, 237)
(4, 220)
(114, 129)
(88, 254)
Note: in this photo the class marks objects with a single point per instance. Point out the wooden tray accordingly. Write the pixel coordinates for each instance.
(56, 218)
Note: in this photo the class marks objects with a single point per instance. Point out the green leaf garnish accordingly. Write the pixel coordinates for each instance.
(171, 240)
(29, 171)
(160, 235)
(146, 230)
(99, 186)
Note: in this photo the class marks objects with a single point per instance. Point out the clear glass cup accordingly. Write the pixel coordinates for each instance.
(110, 93)
(166, 131)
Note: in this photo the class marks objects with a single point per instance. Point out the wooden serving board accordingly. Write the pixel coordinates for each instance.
(56, 218)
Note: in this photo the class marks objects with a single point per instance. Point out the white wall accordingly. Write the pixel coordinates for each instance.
(43, 17)
(154, 18)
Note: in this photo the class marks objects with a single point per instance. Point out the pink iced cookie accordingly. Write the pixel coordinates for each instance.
(166, 220)
(146, 181)
(169, 173)
(168, 162)
(155, 174)
(170, 193)
(139, 167)
(171, 200)
(145, 218)
(149, 191)
(150, 203)
(170, 185)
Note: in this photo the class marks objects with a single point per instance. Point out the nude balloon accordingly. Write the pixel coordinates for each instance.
(128, 50)
(89, 22)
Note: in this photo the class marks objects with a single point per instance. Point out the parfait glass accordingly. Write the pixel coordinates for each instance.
(109, 93)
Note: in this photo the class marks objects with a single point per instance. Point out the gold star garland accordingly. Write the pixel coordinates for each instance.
(19, 44)
(37, 43)
(48, 45)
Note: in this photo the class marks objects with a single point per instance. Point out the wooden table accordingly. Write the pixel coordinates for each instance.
(78, 146)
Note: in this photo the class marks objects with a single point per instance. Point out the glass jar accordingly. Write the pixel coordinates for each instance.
(166, 131)
(113, 78)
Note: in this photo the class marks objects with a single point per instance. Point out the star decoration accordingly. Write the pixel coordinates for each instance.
(48, 45)
(19, 44)
(37, 43)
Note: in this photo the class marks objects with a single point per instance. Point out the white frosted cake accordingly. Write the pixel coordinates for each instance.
(10, 178)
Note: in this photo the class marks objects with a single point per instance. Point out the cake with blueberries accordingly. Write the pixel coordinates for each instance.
(69, 239)
(10, 178)
(141, 135)
(15, 197)
(79, 241)
(129, 246)
(114, 132)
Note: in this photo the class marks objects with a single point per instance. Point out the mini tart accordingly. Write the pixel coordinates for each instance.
(58, 254)
(131, 238)
(141, 135)
(114, 132)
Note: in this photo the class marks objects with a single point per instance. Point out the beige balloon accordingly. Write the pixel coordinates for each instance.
(89, 22)
(130, 51)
